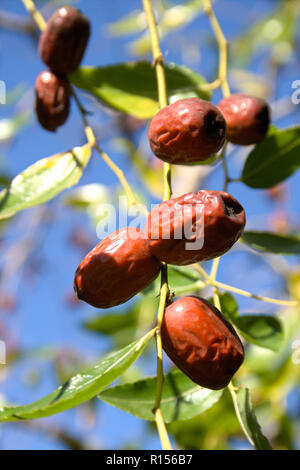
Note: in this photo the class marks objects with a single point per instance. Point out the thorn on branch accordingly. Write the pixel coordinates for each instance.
(159, 60)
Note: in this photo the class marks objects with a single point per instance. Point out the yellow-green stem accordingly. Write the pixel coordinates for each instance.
(36, 15)
(158, 61)
(222, 44)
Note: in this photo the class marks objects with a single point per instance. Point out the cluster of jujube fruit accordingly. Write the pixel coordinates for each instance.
(61, 46)
(195, 335)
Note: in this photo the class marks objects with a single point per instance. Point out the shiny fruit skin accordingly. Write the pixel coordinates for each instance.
(247, 118)
(224, 220)
(117, 268)
(63, 42)
(52, 102)
(201, 342)
(186, 132)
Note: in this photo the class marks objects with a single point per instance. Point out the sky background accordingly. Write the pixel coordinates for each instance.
(42, 317)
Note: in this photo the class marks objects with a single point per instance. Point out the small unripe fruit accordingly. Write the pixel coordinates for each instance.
(52, 101)
(117, 268)
(187, 131)
(247, 118)
(201, 342)
(64, 40)
(194, 227)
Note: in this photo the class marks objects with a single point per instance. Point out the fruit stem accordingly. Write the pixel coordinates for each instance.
(36, 15)
(158, 62)
(227, 178)
(288, 303)
(109, 162)
(222, 43)
(236, 290)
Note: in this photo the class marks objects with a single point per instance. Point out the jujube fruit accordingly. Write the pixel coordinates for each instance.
(117, 268)
(201, 342)
(176, 228)
(187, 131)
(52, 102)
(247, 118)
(64, 40)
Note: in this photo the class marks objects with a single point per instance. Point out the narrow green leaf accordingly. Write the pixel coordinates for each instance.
(263, 330)
(131, 87)
(43, 180)
(80, 387)
(182, 399)
(272, 242)
(274, 159)
(248, 420)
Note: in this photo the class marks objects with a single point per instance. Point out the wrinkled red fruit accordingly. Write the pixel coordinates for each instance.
(64, 40)
(201, 342)
(247, 118)
(187, 131)
(179, 233)
(117, 268)
(52, 102)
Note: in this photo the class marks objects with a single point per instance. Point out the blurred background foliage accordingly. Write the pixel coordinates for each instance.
(48, 333)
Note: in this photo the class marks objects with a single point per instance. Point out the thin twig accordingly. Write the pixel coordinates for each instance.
(222, 44)
(164, 291)
(37, 16)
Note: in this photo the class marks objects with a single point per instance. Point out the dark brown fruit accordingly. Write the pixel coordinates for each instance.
(64, 40)
(52, 100)
(247, 118)
(117, 268)
(194, 227)
(201, 342)
(187, 131)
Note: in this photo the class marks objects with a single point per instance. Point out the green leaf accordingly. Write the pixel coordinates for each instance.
(132, 23)
(182, 399)
(179, 276)
(272, 242)
(274, 159)
(125, 325)
(229, 306)
(181, 280)
(248, 420)
(88, 195)
(43, 180)
(80, 387)
(263, 330)
(132, 88)
(109, 323)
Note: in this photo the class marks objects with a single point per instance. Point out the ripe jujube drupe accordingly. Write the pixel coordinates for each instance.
(118, 268)
(247, 118)
(186, 132)
(64, 40)
(201, 342)
(215, 218)
(52, 102)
